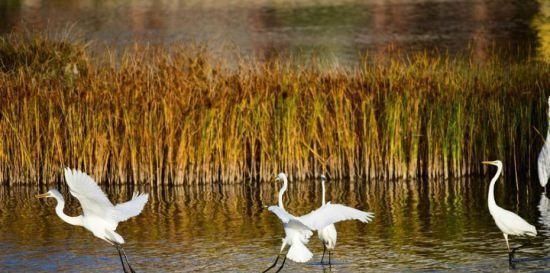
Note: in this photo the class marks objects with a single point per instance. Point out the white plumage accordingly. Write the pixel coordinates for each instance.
(328, 234)
(543, 161)
(298, 230)
(289, 219)
(332, 213)
(100, 216)
(296, 233)
(508, 222)
(297, 236)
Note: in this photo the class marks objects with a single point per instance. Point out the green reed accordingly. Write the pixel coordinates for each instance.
(175, 116)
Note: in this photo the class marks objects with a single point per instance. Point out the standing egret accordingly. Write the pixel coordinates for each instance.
(543, 161)
(100, 216)
(508, 222)
(298, 230)
(328, 234)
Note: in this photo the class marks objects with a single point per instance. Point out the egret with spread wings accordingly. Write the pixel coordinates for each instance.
(298, 230)
(297, 234)
(328, 234)
(100, 216)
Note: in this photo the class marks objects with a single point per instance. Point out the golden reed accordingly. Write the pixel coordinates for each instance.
(172, 116)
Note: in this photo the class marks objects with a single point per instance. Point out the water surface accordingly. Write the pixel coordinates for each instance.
(419, 226)
(337, 31)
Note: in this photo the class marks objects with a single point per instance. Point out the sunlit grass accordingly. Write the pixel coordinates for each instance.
(174, 116)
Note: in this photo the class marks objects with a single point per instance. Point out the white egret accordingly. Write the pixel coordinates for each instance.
(298, 230)
(328, 234)
(543, 161)
(508, 222)
(100, 216)
(297, 234)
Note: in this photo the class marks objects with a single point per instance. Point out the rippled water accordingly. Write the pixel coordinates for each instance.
(334, 30)
(419, 226)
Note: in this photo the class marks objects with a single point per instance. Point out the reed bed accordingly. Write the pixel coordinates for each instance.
(172, 115)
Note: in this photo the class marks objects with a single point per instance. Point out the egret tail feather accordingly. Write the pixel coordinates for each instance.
(299, 253)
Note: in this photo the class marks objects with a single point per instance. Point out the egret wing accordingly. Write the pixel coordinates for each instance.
(333, 213)
(513, 224)
(126, 210)
(92, 199)
(288, 218)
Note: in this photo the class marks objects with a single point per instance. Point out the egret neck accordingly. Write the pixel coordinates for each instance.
(76, 221)
(282, 191)
(323, 187)
(491, 197)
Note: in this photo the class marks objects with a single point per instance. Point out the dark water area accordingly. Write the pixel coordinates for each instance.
(441, 226)
(335, 31)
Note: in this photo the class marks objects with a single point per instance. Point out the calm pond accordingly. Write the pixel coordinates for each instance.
(419, 226)
(336, 31)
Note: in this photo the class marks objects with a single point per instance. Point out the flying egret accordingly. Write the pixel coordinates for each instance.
(543, 161)
(508, 222)
(298, 230)
(100, 216)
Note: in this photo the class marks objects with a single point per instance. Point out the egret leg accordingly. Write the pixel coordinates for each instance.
(506, 238)
(329, 262)
(279, 255)
(281, 267)
(510, 253)
(511, 259)
(126, 258)
(324, 250)
(121, 261)
(273, 265)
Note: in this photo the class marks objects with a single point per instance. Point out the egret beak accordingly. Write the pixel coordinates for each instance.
(277, 179)
(494, 163)
(44, 195)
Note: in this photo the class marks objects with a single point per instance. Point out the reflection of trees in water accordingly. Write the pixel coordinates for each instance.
(437, 215)
(541, 24)
(9, 14)
(544, 219)
(334, 32)
(544, 209)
